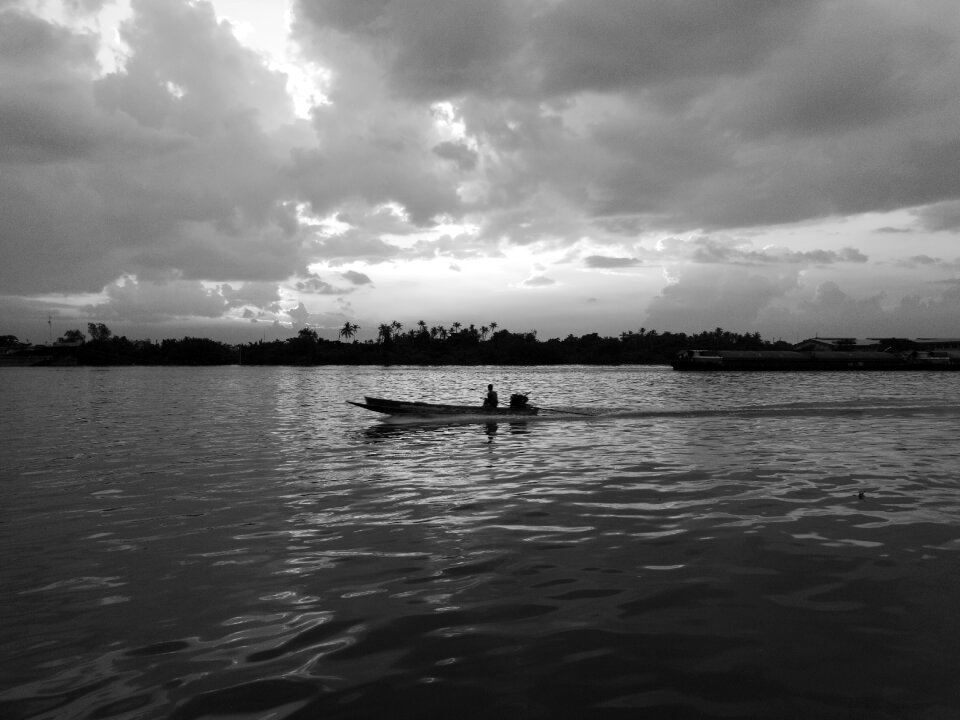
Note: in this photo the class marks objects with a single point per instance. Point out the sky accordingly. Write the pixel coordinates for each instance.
(240, 170)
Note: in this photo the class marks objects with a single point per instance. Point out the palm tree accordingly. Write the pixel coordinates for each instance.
(383, 333)
(396, 327)
(455, 328)
(348, 330)
(484, 330)
(423, 327)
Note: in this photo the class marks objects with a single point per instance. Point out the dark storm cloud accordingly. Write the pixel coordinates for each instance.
(433, 49)
(162, 167)
(356, 16)
(581, 45)
(44, 70)
(941, 217)
(378, 163)
(540, 122)
(438, 48)
(685, 114)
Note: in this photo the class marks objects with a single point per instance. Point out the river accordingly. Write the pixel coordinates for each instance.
(238, 542)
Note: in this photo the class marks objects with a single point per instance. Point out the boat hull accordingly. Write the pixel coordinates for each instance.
(423, 409)
(718, 360)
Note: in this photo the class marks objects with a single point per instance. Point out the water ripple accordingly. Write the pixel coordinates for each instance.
(185, 543)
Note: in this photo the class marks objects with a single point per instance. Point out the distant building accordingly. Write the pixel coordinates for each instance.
(838, 344)
(888, 344)
(906, 344)
(938, 343)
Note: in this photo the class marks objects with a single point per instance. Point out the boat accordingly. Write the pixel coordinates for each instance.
(814, 360)
(56, 355)
(518, 406)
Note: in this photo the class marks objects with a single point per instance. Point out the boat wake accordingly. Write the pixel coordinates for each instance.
(800, 409)
(872, 408)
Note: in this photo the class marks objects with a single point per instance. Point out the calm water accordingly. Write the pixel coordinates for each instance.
(240, 543)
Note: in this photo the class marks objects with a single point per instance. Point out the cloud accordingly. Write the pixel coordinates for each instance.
(165, 166)
(832, 312)
(130, 300)
(542, 126)
(536, 281)
(928, 262)
(626, 45)
(943, 216)
(299, 315)
(603, 261)
(255, 294)
(730, 250)
(889, 230)
(780, 306)
(832, 306)
(352, 246)
(705, 298)
(681, 115)
(84, 7)
(316, 286)
(460, 154)
(356, 278)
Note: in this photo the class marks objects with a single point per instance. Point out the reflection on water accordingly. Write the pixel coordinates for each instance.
(239, 542)
(404, 430)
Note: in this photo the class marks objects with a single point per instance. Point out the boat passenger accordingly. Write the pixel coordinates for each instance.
(491, 400)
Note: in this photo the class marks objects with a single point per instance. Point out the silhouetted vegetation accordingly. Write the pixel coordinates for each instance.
(186, 351)
(420, 345)
(108, 349)
(470, 345)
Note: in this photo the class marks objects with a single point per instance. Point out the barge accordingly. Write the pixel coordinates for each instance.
(833, 360)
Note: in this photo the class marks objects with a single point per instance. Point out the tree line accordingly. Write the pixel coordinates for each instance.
(105, 348)
(393, 345)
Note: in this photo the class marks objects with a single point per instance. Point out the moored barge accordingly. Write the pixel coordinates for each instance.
(833, 360)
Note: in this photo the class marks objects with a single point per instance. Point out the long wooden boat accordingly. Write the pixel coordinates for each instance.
(425, 409)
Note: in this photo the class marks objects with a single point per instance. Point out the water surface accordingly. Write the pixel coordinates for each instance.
(239, 542)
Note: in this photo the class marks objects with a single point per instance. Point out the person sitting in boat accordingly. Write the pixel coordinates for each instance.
(491, 400)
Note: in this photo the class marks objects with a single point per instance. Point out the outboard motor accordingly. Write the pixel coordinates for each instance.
(518, 401)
